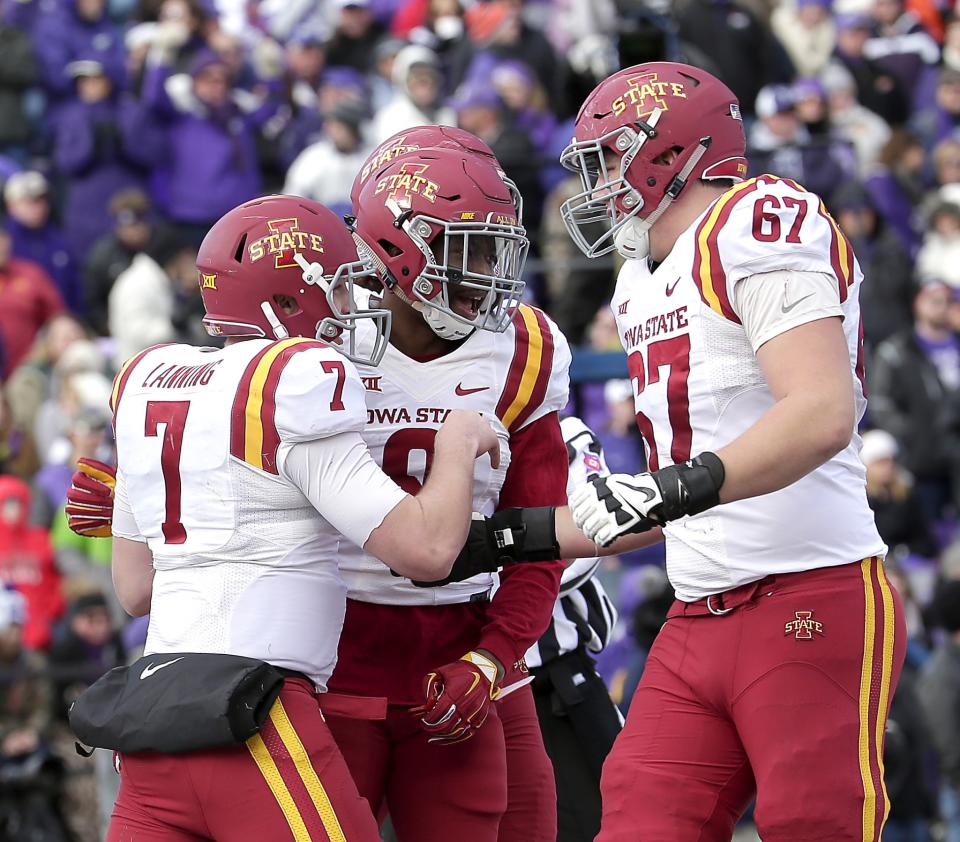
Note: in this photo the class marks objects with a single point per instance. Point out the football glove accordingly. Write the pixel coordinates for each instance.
(458, 698)
(510, 536)
(90, 499)
(619, 504)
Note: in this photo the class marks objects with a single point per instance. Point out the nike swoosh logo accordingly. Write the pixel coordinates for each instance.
(461, 391)
(786, 308)
(150, 669)
(648, 495)
(670, 288)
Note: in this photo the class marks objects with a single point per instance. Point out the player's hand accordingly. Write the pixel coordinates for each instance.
(463, 424)
(458, 698)
(90, 499)
(617, 505)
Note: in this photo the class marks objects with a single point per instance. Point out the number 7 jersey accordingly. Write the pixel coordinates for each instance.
(698, 385)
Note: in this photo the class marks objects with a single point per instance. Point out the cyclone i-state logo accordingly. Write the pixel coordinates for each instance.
(284, 240)
(385, 154)
(407, 181)
(804, 626)
(647, 93)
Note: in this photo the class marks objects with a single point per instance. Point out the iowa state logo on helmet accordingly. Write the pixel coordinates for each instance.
(385, 154)
(646, 92)
(283, 242)
(410, 179)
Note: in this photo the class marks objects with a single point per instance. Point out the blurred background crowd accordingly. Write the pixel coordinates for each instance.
(128, 126)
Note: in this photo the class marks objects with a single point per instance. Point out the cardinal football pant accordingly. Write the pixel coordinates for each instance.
(289, 782)
(779, 688)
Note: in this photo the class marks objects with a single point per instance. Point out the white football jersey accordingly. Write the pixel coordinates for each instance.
(698, 385)
(513, 378)
(245, 563)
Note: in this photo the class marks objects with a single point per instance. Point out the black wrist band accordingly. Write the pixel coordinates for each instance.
(690, 487)
(525, 534)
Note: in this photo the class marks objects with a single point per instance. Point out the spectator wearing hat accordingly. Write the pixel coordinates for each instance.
(902, 46)
(939, 691)
(526, 101)
(914, 382)
(859, 126)
(27, 563)
(940, 120)
(104, 144)
(807, 32)
(18, 71)
(480, 111)
(901, 520)
(355, 35)
(26, 694)
(877, 88)
(132, 229)
(86, 436)
(85, 646)
(940, 252)
(886, 300)
(417, 95)
(324, 171)
(77, 29)
(28, 299)
(142, 305)
(211, 163)
(37, 237)
(498, 32)
(780, 143)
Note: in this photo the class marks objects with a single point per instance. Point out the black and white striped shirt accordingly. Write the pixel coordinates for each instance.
(583, 615)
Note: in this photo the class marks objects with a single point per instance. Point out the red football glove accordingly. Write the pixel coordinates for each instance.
(458, 698)
(90, 499)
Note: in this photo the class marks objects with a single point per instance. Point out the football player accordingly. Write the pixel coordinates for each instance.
(737, 307)
(439, 221)
(239, 470)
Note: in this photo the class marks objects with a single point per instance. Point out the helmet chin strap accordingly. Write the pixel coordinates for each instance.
(279, 331)
(632, 239)
(442, 324)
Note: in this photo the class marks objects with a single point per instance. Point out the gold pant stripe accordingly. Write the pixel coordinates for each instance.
(866, 676)
(328, 816)
(268, 768)
(886, 671)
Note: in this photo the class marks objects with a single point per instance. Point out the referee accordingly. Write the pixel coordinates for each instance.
(578, 720)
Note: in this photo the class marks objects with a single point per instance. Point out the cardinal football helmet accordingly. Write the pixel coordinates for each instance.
(283, 266)
(624, 132)
(441, 227)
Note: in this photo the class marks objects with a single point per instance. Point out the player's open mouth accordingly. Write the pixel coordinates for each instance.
(467, 302)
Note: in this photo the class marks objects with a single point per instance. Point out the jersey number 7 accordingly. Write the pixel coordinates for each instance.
(173, 416)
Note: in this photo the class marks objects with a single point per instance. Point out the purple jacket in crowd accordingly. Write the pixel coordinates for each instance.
(102, 148)
(211, 163)
(62, 36)
(48, 247)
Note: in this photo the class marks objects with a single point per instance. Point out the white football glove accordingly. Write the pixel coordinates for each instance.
(615, 505)
(612, 506)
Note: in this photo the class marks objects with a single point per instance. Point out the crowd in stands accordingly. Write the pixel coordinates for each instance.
(128, 126)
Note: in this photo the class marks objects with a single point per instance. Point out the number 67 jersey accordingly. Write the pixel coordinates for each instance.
(764, 258)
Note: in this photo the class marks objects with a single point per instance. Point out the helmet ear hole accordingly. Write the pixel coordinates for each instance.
(287, 304)
(238, 254)
(390, 248)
